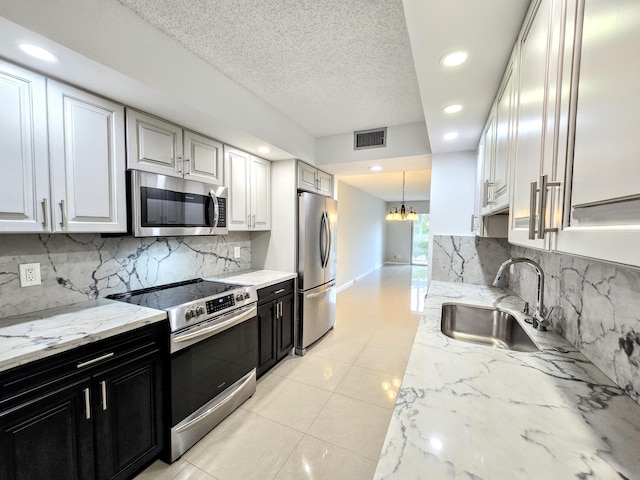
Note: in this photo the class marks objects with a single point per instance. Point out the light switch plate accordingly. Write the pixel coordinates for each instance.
(29, 274)
(236, 252)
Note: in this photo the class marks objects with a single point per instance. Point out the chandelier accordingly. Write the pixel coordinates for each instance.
(402, 214)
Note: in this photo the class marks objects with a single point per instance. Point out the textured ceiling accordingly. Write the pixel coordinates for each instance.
(332, 66)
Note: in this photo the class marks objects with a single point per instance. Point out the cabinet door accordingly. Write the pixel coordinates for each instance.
(488, 163)
(325, 183)
(285, 326)
(24, 183)
(49, 437)
(128, 405)
(203, 159)
(530, 121)
(260, 194)
(602, 201)
(307, 177)
(237, 172)
(87, 161)
(503, 143)
(266, 337)
(153, 145)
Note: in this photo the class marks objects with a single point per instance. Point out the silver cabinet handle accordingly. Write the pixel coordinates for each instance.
(473, 222)
(533, 195)
(187, 162)
(103, 387)
(87, 404)
(249, 221)
(63, 209)
(45, 208)
(254, 220)
(544, 186)
(95, 360)
(278, 292)
(179, 164)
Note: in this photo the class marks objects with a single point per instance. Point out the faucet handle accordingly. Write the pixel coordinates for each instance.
(526, 310)
(548, 315)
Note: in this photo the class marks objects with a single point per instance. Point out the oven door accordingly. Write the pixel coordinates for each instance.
(213, 371)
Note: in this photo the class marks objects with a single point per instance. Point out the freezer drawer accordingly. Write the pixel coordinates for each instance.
(317, 314)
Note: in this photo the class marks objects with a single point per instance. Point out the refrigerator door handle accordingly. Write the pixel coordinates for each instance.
(328, 227)
(323, 247)
(321, 292)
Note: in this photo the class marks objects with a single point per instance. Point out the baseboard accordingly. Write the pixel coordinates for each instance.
(345, 286)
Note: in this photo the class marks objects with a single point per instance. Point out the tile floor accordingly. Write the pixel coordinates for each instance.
(324, 415)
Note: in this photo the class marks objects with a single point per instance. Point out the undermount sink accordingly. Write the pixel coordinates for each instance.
(485, 326)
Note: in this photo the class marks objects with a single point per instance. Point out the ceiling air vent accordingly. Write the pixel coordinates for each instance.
(373, 138)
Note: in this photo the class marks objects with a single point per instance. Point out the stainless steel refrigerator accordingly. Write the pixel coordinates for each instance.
(317, 217)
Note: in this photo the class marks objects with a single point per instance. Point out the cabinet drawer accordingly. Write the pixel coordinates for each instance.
(271, 292)
(44, 375)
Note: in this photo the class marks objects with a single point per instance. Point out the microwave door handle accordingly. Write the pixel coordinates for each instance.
(216, 211)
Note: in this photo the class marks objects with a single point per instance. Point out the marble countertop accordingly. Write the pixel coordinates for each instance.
(259, 278)
(37, 335)
(474, 412)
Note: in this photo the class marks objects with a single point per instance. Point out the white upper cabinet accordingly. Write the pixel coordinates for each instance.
(157, 146)
(87, 161)
(504, 142)
(602, 200)
(24, 183)
(533, 91)
(310, 179)
(248, 179)
(203, 159)
(153, 145)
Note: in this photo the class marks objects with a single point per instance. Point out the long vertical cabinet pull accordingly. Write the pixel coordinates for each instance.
(533, 196)
(103, 388)
(87, 403)
(45, 208)
(63, 209)
(542, 212)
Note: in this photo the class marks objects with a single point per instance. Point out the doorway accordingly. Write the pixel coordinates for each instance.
(420, 240)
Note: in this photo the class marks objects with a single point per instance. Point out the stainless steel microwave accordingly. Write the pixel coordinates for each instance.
(163, 206)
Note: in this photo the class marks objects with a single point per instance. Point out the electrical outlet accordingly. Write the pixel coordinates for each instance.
(236, 252)
(29, 274)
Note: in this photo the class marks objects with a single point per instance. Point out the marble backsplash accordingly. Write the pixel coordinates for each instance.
(596, 308)
(80, 267)
(467, 259)
(596, 305)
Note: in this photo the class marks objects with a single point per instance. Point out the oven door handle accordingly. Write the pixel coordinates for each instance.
(206, 413)
(218, 327)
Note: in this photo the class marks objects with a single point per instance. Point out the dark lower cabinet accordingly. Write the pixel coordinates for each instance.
(48, 437)
(129, 417)
(69, 418)
(275, 319)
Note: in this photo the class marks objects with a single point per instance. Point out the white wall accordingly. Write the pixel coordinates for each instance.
(402, 141)
(452, 195)
(360, 233)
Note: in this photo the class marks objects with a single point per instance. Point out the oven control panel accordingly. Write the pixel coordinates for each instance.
(220, 303)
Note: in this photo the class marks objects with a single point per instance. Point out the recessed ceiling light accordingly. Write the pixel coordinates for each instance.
(454, 58)
(452, 108)
(450, 136)
(263, 149)
(375, 168)
(38, 52)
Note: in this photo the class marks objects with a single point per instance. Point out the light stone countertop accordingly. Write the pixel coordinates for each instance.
(32, 336)
(258, 278)
(469, 411)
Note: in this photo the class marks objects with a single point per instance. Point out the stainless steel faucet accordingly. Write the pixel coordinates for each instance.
(539, 320)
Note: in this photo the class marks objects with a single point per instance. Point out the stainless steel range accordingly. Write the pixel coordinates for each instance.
(214, 352)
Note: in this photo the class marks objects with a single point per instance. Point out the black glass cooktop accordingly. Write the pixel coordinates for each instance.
(165, 297)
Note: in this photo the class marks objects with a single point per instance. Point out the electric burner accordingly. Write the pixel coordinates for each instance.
(192, 300)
